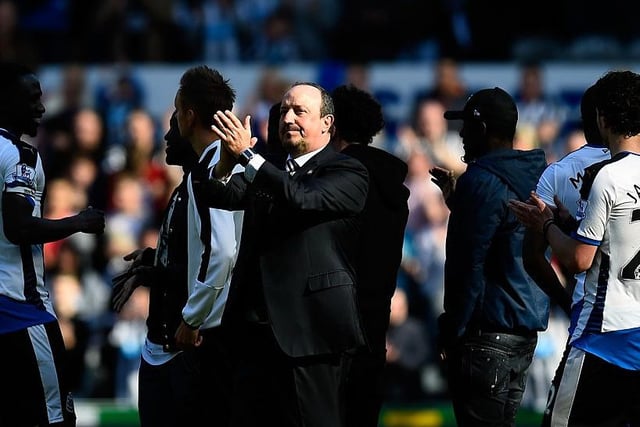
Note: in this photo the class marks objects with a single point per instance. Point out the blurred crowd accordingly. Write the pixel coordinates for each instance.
(278, 31)
(101, 147)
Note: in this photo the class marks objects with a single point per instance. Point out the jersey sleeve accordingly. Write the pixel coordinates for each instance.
(19, 175)
(546, 186)
(597, 210)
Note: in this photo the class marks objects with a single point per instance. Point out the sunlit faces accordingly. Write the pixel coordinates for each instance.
(302, 128)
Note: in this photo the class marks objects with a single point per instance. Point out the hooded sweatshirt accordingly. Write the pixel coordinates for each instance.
(384, 218)
(486, 285)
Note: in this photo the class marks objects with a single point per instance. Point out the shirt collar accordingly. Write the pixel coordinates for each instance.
(301, 160)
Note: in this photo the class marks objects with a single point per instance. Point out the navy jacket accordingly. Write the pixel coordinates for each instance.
(486, 285)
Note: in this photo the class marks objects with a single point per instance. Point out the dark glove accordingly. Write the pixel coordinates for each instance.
(125, 283)
(140, 272)
(91, 221)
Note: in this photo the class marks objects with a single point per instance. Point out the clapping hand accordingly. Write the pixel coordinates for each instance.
(235, 135)
(566, 221)
(533, 213)
(445, 179)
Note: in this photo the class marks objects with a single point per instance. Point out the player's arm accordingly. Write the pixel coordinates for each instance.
(535, 262)
(21, 227)
(576, 256)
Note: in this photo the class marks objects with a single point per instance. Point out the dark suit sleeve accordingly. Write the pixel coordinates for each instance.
(216, 194)
(338, 186)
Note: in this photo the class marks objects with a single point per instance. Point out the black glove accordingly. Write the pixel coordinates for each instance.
(140, 272)
(125, 283)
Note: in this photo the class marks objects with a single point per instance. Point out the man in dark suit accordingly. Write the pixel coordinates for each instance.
(292, 303)
(358, 119)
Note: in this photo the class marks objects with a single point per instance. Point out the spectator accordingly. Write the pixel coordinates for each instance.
(407, 351)
(447, 87)
(429, 133)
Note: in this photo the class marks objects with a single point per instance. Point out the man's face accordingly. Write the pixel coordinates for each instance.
(302, 129)
(178, 149)
(29, 107)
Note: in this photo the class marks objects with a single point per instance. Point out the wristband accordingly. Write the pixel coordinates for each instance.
(545, 227)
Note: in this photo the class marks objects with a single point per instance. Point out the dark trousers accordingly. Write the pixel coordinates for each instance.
(487, 374)
(33, 389)
(365, 388)
(270, 388)
(589, 391)
(191, 387)
(168, 393)
(216, 374)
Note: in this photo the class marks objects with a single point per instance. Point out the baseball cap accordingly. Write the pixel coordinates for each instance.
(493, 106)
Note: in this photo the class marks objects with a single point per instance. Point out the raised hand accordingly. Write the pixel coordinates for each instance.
(235, 135)
(445, 179)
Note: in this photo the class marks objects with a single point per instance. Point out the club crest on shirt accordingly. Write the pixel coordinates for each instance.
(25, 174)
(582, 208)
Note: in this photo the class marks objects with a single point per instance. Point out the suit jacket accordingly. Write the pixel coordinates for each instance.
(384, 219)
(299, 240)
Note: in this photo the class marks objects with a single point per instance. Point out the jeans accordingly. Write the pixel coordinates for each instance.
(487, 374)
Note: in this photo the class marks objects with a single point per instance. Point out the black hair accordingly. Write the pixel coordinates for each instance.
(206, 91)
(358, 114)
(618, 102)
(589, 116)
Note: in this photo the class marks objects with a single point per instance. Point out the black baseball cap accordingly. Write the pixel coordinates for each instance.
(495, 107)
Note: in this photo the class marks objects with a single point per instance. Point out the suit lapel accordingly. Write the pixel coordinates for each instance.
(322, 156)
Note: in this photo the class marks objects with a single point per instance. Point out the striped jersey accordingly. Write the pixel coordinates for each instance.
(564, 179)
(24, 300)
(608, 322)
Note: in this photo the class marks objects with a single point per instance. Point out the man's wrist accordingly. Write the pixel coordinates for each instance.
(545, 227)
(245, 156)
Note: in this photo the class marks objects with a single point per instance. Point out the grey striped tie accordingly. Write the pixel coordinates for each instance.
(292, 166)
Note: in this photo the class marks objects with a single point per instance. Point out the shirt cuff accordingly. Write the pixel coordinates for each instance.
(251, 170)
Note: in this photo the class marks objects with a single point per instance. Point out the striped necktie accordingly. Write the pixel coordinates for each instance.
(292, 166)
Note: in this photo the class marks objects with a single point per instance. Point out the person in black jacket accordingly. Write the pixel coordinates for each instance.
(168, 390)
(358, 119)
(493, 310)
(201, 244)
(292, 307)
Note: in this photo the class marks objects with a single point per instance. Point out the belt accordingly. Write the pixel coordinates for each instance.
(475, 331)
